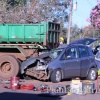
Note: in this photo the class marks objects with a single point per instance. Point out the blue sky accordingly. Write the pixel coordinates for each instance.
(83, 12)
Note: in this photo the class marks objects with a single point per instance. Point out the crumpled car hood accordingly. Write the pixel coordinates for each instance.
(29, 62)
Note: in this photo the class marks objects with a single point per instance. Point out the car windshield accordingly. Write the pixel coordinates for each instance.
(56, 52)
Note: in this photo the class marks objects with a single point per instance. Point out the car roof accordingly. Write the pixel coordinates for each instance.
(67, 45)
(77, 45)
(85, 41)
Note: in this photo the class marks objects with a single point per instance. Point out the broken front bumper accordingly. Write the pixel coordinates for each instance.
(39, 74)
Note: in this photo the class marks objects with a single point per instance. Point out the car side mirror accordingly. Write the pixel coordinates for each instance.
(68, 57)
(98, 48)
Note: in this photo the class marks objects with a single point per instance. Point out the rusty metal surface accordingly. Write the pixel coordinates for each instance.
(21, 55)
(6, 68)
(9, 67)
(17, 55)
(41, 75)
(23, 50)
(34, 45)
(17, 44)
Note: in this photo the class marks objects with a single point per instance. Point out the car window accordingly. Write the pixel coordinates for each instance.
(70, 53)
(90, 52)
(63, 56)
(83, 51)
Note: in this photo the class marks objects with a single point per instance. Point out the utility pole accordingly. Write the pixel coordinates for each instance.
(70, 22)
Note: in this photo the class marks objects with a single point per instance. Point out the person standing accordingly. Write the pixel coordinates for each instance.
(61, 40)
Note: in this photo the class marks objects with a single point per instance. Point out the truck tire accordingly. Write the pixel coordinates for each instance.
(9, 67)
(56, 76)
(92, 75)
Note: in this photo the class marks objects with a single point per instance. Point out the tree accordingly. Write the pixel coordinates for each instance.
(34, 11)
(95, 16)
(76, 32)
(88, 31)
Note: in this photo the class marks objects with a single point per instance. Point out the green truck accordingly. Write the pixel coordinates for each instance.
(20, 41)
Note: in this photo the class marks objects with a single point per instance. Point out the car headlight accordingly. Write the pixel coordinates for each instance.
(42, 67)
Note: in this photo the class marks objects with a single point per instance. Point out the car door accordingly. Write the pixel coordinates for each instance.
(71, 66)
(85, 60)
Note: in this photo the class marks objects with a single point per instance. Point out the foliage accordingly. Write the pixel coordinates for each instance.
(15, 2)
(33, 11)
(76, 33)
(95, 16)
(93, 30)
(88, 31)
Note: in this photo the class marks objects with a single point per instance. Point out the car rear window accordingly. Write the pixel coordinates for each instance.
(90, 52)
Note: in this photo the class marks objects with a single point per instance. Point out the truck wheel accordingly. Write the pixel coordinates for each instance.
(92, 74)
(9, 67)
(56, 76)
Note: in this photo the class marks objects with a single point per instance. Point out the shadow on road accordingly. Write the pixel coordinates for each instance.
(25, 96)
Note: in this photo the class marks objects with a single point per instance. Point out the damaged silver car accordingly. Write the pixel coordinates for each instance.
(67, 61)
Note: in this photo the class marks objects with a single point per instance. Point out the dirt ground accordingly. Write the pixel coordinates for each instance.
(8, 94)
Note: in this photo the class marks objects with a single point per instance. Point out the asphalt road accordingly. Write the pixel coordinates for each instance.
(8, 94)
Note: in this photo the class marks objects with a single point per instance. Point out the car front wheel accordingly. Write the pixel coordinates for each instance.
(92, 74)
(56, 76)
